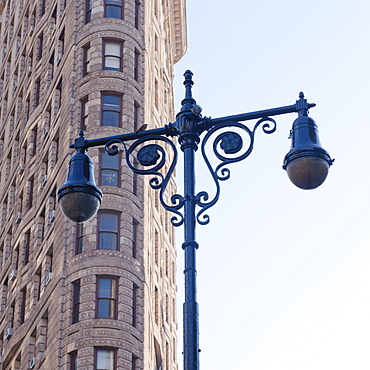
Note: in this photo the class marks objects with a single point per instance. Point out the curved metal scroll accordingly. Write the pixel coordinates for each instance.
(153, 156)
(231, 143)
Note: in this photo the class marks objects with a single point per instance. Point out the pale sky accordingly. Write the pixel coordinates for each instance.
(283, 273)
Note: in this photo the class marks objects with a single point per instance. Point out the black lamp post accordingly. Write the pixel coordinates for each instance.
(307, 165)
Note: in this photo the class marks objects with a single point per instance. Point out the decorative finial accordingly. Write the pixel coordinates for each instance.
(188, 101)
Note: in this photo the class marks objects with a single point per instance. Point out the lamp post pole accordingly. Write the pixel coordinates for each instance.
(307, 164)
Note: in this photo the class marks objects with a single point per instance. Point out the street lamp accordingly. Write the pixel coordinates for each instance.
(307, 165)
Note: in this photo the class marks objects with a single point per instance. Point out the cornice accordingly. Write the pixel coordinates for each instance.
(180, 30)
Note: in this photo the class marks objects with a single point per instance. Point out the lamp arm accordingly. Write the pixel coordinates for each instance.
(167, 130)
(300, 105)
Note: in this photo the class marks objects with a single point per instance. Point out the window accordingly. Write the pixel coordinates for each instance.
(134, 361)
(134, 237)
(40, 42)
(84, 114)
(61, 45)
(79, 238)
(106, 298)
(136, 116)
(51, 67)
(87, 59)
(37, 93)
(113, 9)
(110, 174)
(137, 13)
(135, 291)
(156, 95)
(111, 110)
(108, 230)
(112, 56)
(33, 141)
(41, 225)
(136, 64)
(29, 199)
(73, 360)
(42, 7)
(76, 287)
(88, 11)
(156, 305)
(37, 284)
(22, 309)
(105, 358)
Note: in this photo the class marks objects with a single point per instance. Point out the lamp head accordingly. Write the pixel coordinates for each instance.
(79, 198)
(307, 163)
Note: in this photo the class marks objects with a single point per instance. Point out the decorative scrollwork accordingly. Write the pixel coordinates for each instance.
(153, 156)
(231, 143)
(149, 155)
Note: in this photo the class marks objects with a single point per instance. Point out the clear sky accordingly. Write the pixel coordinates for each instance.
(284, 274)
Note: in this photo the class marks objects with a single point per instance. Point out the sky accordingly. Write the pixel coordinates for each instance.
(283, 273)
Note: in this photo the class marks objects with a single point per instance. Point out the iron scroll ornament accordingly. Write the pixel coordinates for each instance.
(153, 156)
(231, 143)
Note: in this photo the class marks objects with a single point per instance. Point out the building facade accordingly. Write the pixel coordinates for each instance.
(99, 295)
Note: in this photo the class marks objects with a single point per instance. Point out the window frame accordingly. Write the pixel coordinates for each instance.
(137, 56)
(113, 6)
(118, 57)
(119, 111)
(73, 357)
(117, 232)
(113, 298)
(103, 168)
(107, 349)
(76, 301)
(88, 11)
(137, 14)
(86, 59)
(84, 113)
(79, 238)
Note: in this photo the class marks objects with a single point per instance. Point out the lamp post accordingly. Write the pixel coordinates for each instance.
(307, 165)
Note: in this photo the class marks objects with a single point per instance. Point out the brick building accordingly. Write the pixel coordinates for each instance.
(99, 295)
